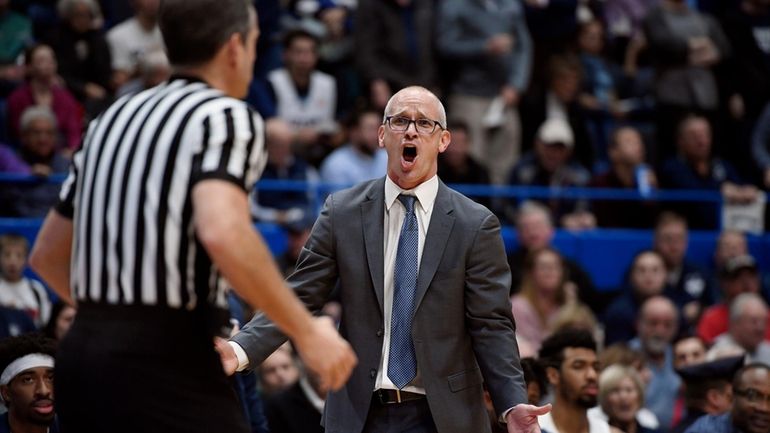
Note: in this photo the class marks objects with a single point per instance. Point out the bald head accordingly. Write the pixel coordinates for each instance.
(412, 90)
(533, 225)
(748, 320)
(657, 324)
(658, 305)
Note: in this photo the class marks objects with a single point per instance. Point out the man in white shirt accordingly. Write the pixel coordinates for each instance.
(361, 159)
(304, 97)
(746, 334)
(572, 369)
(424, 285)
(132, 39)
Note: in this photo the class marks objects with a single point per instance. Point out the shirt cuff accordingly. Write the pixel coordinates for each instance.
(503, 417)
(243, 359)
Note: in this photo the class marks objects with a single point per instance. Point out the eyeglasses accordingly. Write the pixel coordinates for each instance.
(423, 126)
(752, 395)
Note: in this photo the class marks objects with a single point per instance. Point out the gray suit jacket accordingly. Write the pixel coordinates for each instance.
(462, 329)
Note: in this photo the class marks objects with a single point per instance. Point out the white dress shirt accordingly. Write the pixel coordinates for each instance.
(393, 220)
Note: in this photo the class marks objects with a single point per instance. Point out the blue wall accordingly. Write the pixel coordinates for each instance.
(605, 253)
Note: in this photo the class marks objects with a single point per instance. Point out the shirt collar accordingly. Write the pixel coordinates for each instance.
(426, 192)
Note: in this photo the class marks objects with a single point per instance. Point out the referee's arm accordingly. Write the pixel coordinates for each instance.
(50, 256)
(223, 225)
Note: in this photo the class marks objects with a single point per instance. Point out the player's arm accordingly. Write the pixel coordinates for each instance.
(224, 227)
(50, 256)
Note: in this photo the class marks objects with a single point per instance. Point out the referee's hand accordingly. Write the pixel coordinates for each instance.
(327, 354)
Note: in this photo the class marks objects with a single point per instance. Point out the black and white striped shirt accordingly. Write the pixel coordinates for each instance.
(129, 193)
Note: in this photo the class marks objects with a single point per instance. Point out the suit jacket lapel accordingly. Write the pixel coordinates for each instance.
(441, 222)
(372, 214)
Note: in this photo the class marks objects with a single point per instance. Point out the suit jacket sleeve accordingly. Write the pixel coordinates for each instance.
(489, 319)
(312, 281)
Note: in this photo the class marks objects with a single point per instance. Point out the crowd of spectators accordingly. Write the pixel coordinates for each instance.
(635, 95)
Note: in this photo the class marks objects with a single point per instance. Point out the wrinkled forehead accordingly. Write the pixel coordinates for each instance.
(414, 102)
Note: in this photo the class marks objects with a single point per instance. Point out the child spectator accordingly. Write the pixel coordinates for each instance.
(16, 290)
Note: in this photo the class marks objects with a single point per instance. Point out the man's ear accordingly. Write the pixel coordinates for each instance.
(553, 375)
(4, 392)
(232, 46)
(718, 398)
(381, 136)
(445, 140)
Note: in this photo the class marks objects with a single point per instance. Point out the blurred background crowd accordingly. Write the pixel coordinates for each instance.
(643, 96)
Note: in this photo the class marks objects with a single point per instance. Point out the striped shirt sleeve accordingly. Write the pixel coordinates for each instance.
(233, 146)
(65, 205)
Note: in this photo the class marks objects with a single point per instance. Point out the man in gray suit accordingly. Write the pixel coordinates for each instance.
(424, 288)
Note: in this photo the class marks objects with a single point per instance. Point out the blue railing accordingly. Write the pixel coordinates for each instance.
(604, 253)
(522, 192)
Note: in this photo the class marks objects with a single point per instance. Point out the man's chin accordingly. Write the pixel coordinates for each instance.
(587, 401)
(43, 420)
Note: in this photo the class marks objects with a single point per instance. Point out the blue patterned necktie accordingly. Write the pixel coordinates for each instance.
(402, 363)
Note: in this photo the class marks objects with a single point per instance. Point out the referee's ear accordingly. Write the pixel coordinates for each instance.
(234, 50)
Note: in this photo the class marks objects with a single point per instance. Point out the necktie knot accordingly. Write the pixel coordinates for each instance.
(407, 201)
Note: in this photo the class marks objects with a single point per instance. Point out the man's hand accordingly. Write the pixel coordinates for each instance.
(702, 52)
(95, 91)
(226, 355)
(327, 354)
(739, 194)
(499, 44)
(523, 418)
(42, 170)
(510, 96)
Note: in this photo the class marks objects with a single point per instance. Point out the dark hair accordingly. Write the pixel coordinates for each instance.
(50, 328)
(615, 134)
(29, 52)
(299, 33)
(13, 239)
(688, 118)
(533, 373)
(630, 269)
(563, 64)
(688, 335)
(13, 348)
(552, 351)
(194, 30)
(668, 217)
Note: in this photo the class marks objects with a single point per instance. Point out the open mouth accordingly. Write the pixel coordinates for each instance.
(409, 153)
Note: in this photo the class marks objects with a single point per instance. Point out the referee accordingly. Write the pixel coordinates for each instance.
(152, 226)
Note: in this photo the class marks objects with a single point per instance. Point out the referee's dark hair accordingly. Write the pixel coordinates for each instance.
(194, 30)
